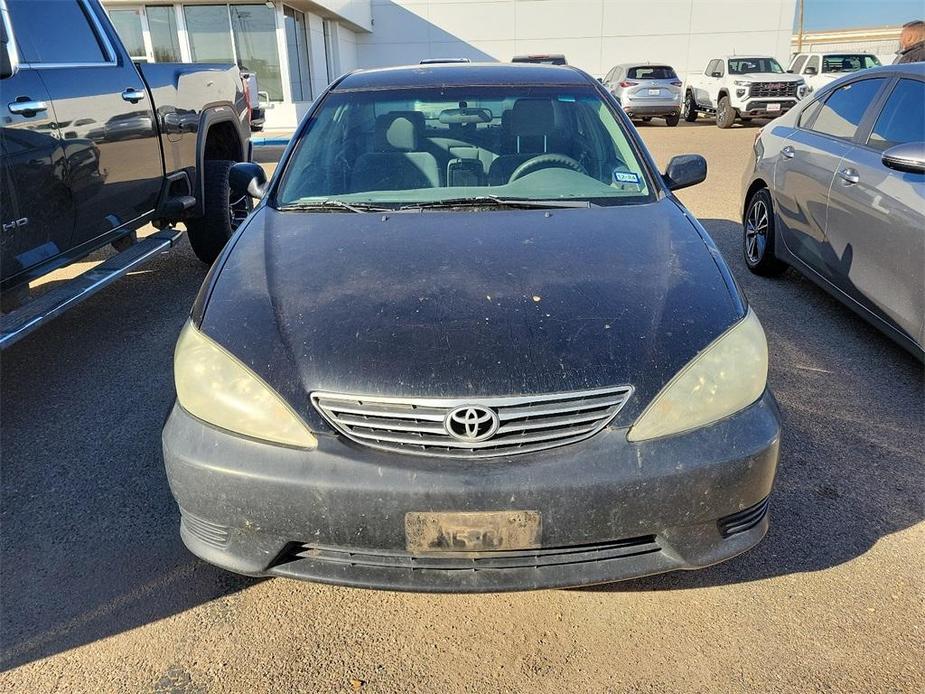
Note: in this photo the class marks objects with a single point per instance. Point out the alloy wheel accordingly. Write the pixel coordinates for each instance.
(756, 231)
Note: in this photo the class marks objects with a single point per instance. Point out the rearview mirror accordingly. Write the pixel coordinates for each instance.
(909, 157)
(685, 170)
(247, 178)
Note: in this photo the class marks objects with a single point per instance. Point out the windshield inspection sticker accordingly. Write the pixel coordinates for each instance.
(625, 177)
(626, 180)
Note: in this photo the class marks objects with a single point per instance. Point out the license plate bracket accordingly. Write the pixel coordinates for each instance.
(773, 107)
(472, 531)
(655, 92)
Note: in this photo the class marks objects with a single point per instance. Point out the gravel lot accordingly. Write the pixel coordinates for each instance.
(98, 593)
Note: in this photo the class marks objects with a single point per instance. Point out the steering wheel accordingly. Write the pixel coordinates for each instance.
(546, 161)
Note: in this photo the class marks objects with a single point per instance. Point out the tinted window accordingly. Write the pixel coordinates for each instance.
(903, 117)
(843, 111)
(651, 72)
(798, 64)
(848, 62)
(809, 113)
(743, 66)
(54, 31)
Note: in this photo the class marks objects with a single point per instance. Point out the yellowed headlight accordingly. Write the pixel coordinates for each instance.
(217, 388)
(726, 377)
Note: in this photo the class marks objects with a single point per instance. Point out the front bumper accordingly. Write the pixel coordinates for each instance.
(610, 510)
(761, 107)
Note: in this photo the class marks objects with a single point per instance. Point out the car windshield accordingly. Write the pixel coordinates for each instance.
(463, 145)
(651, 72)
(743, 66)
(848, 63)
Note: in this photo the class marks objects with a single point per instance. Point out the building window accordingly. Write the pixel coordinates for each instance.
(209, 31)
(298, 51)
(128, 25)
(330, 48)
(254, 28)
(162, 25)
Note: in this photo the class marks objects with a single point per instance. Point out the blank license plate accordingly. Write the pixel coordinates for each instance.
(466, 531)
(655, 92)
(773, 107)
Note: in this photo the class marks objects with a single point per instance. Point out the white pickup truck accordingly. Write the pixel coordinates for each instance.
(743, 87)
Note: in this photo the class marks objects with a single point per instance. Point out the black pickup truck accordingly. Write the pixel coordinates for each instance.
(94, 147)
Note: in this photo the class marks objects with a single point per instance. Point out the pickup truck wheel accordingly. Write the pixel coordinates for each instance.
(209, 234)
(672, 121)
(725, 113)
(758, 236)
(690, 108)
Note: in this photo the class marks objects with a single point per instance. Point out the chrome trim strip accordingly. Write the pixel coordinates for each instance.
(409, 425)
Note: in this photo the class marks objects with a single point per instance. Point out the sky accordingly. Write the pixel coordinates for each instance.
(848, 14)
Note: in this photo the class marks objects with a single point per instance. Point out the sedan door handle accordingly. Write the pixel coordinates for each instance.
(849, 176)
(788, 152)
(27, 107)
(133, 95)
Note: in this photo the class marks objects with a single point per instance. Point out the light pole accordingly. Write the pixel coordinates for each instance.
(800, 31)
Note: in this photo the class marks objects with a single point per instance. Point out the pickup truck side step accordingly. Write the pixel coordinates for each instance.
(18, 323)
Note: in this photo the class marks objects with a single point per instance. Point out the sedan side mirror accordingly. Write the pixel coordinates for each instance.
(685, 170)
(909, 157)
(247, 178)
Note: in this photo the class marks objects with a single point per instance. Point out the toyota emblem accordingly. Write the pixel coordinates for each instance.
(471, 423)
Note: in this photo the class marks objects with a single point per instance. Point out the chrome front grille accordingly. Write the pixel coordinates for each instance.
(520, 424)
(764, 90)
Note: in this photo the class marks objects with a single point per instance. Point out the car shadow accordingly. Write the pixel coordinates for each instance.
(851, 402)
(90, 544)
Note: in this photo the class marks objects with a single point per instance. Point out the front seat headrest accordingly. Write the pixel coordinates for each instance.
(399, 131)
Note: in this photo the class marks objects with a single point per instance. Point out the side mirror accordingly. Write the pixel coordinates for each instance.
(247, 178)
(8, 64)
(810, 71)
(790, 71)
(909, 157)
(716, 74)
(685, 170)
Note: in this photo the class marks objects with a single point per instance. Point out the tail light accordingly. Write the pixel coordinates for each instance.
(627, 83)
(677, 83)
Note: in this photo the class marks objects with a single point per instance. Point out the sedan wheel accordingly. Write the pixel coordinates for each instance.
(759, 236)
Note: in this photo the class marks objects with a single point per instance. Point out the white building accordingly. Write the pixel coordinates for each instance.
(297, 46)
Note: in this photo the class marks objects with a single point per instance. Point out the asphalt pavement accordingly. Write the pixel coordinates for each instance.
(98, 593)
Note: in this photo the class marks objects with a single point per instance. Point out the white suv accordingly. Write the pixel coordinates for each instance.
(818, 69)
(743, 87)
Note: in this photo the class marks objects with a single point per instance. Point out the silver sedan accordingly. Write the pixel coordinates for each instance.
(836, 190)
(646, 90)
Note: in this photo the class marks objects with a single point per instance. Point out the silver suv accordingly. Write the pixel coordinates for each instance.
(646, 91)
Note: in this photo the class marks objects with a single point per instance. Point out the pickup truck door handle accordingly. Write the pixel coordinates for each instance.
(788, 152)
(27, 107)
(849, 176)
(133, 95)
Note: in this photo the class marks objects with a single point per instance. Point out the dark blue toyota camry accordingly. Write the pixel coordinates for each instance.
(469, 340)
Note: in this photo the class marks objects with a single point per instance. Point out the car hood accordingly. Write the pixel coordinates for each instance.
(470, 303)
(768, 77)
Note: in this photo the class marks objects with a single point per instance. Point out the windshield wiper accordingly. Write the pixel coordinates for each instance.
(332, 206)
(495, 201)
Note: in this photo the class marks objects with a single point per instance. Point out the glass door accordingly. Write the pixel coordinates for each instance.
(297, 47)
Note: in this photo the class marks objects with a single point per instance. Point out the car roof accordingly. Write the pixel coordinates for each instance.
(747, 57)
(463, 75)
(644, 64)
(904, 68)
(836, 53)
